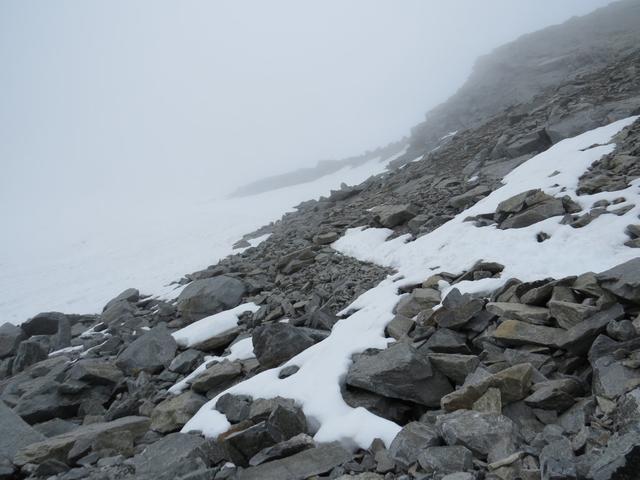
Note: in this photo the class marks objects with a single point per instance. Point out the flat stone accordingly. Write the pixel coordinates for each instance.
(454, 366)
(619, 460)
(305, 464)
(557, 461)
(514, 332)
(393, 215)
(276, 343)
(45, 323)
(284, 449)
(400, 327)
(400, 372)
(578, 339)
(29, 352)
(445, 340)
(490, 402)
(95, 372)
(408, 444)
(186, 361)
(58, 447)
(519, 311)
(568, 314)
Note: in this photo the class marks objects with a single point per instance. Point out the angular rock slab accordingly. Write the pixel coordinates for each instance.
(151, 352)
(300, 466)
(623, 280)
(209, 296)
(15, 433)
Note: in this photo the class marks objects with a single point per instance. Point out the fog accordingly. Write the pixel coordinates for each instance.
(139, 109)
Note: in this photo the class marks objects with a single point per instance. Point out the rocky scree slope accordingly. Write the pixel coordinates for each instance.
(537, 379)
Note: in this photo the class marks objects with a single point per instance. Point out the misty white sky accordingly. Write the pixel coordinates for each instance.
(123, 102)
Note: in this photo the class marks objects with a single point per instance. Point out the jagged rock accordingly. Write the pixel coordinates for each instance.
(10, 338)
(325, 238)
(445, 459)
(392, 409)
(489, 435)
(209, 296)
(622, 330)
(235, 407)
(578, 339)
(465, 200)
(411, 441)
(620, 460)
(523, 200)
(174, 455)
(314, 461)
(623, 280)
(513, 332)
(551, 395)
(262, 408)
(174, 412)
(242, 445)
(611, 378)
(151, 352)
(95, 372)
(131, 295)
(58, 447)
(518, 311)
(54, 427)
(284, 449)
(45, 323)
(457, 310)
(185, 362)
(219, 375)
(393, 215)
(400, 327)
(276, 343)
(447, 341)
(29, 352)
(16, 433)
(541, 211)
(401, 372)
(285, 422)
(513, 383)
(557, 461)
(489, 402)
(454, 366)
(569, 315)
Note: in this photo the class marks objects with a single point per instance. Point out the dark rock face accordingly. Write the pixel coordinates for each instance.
(10, 338)
(209, 296)
(151, 352)
(411, 441)
(29, 352)
(276, 343)
(43, 324)
(401, 372)
(623, 280)
(16, 433)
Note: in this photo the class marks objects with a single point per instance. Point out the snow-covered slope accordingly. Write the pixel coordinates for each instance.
(453, 247)
(147, 249)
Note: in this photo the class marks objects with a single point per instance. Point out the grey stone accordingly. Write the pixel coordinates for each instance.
(276, 343)
(454, 366)
(569, 315)
(95, 372)
(302, 465)
(623, 280)
(10, 337)
(285, 422)
(150, 353)
(523, 200)
(235, 407)
(209, 296)
(550, 398)
(514, 332)
(519, 311)
(622, 330)
(325, 238)
(489, 435)
(131, 295)
(45, 323)
(411, 441)
(59, 447)
(445, 340)
(29, 352)
(578, 339)
(401, 372)
(174, 412)
(400, 326)
(283, 449)
(242, 445)
(542, 211)
(393, 215)
(489, 402)
(445, 459)
(218, 375)
(185, 362)
(611, 378)
(55, 426)
(16, 433)
(620, 460)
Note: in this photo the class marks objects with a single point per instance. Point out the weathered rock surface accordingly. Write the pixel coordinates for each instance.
(276, 343)
(151, 352)
(209, 296)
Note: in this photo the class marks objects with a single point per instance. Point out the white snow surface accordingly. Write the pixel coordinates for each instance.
(211, 326)
(82, 258)
(453, 247)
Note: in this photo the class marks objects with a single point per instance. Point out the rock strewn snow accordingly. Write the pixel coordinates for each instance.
(454, 247)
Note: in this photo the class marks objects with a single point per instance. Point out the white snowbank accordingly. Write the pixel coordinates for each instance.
(211, 326)
(453, 247)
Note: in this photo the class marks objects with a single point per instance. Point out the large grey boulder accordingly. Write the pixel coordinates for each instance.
(308, 463)
(45, 323)
(95, 372)
(57, 448)
(514, 332)
(10, 337)
(413, 439)
(550, 208)
(16, 433)
(130, 295)
(151, 352)
(219, 376)
(623, 280)
(400, 372)
(488, 435)
(276, 343)
(557, 461)
(446, 459)
(578, 339)
(283, 449)
(393, 215)
(173, 456)
(620, 460)
(29, 352)
(209, 296)
(174, 412)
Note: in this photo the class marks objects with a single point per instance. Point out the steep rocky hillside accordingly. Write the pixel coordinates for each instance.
(474, 314)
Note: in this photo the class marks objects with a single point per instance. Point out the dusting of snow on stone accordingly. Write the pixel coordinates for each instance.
(211, 326)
